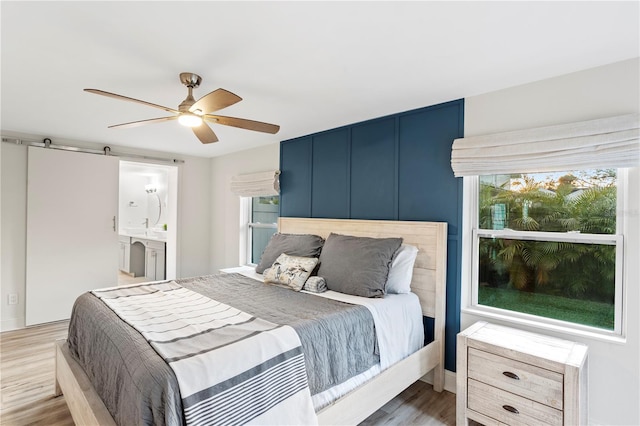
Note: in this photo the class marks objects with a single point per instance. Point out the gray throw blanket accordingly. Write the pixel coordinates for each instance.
(197, 335)
(137, 386)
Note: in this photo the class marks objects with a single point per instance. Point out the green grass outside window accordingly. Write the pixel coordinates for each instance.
(596, 314)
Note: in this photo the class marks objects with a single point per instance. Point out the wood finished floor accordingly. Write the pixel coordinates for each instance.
(27, 366)
(128, 279)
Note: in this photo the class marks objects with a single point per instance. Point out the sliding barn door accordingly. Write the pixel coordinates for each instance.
(72, 242)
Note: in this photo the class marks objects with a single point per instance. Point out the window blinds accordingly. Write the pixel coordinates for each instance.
(603, 143)
(256, 184)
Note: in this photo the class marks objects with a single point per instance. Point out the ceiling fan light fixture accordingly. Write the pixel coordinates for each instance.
(192, 113)
(190, 120)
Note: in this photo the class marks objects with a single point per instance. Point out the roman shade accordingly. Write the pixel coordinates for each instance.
(611, 142)
(256, 184)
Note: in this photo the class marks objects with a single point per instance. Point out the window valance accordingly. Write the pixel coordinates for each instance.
(603, 143)
(256, 184)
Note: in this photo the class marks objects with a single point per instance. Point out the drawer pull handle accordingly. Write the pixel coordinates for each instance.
(511, 409)
(511, 375)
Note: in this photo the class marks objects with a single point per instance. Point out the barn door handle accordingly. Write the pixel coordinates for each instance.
(114, 224)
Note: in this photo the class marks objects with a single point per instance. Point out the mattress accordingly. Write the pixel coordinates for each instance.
(399, 331)
(134, 382)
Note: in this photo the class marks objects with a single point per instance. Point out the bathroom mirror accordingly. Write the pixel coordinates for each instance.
(154, 205)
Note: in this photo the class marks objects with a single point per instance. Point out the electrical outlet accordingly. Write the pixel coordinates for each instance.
(13, 299)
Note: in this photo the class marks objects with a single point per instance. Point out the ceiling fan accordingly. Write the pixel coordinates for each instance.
(196, 113)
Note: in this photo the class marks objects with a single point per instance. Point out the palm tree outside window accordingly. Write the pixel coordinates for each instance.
(546, 246)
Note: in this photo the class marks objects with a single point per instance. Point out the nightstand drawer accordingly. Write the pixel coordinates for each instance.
(509, 408)
(535, 383)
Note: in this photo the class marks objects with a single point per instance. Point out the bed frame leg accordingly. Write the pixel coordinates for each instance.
(438, 370)
(57, 391)
(438, 378)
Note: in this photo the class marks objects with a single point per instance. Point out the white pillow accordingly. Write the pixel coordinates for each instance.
(401, 270)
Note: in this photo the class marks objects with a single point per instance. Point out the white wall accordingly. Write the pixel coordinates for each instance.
(614, 368)
(13, 247)
(194, 220)
(225, 232)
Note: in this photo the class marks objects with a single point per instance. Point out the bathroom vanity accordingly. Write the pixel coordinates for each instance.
(142, 255)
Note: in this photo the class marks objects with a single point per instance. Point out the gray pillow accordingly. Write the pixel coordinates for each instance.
(357, 265)
(303, 245)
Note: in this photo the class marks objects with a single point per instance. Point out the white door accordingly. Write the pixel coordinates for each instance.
(72, 242)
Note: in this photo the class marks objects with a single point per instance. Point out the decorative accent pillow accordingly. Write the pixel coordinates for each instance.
(303, 245)
(315, 285)
(401, 270)
(291, 271)
(357, 265)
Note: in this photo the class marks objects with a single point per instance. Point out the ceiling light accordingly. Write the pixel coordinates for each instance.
(190, 120)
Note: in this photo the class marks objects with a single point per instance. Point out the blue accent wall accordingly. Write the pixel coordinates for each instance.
(329, 188)
(297, 156)
(392, 168)
(373, 177)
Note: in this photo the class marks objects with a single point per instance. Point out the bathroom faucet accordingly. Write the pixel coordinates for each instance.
(146, 222)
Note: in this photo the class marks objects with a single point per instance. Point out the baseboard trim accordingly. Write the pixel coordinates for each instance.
(449, 380)
(12, 324)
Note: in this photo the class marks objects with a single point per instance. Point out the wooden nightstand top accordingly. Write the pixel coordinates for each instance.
(508, 341)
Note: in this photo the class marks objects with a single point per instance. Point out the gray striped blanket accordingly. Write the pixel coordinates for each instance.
(232, 368)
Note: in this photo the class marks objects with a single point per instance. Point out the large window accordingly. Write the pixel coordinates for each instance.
(547, 247)
(262, 224)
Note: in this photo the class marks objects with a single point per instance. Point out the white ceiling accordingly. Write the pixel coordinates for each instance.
(307, 66)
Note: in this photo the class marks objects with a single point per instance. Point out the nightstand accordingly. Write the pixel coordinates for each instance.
(510, 376)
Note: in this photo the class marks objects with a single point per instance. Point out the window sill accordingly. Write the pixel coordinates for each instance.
(239, 269)
(604, 336)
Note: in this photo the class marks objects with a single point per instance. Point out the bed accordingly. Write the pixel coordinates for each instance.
(354, 405)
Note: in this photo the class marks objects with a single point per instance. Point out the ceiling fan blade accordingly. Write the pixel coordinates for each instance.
(125, 98)
(142, 122)
(214, 101)
(204, 133)
(243, 123)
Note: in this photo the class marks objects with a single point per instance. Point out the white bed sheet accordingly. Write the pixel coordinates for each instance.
(399, 329)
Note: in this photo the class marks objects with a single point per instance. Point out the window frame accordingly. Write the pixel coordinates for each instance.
(471, 252)
(246, 228)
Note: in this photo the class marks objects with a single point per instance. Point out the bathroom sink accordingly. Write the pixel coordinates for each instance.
(136, 231)
(153, 234)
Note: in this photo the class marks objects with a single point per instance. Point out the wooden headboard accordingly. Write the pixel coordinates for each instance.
(429, 272)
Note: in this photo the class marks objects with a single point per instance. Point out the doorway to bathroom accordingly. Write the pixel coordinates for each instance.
(147, 225)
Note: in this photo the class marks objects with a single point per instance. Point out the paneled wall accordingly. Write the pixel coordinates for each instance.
(391, 168)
